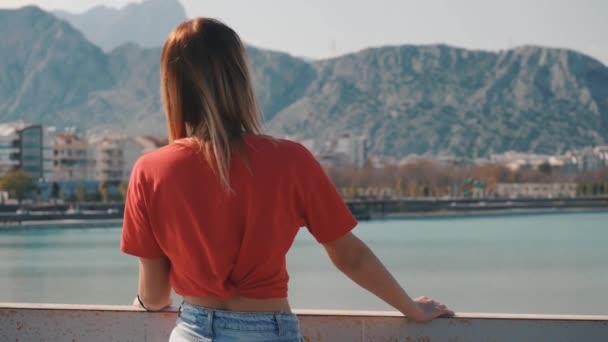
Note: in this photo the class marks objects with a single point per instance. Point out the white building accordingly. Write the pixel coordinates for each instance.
(359, 151)
(519, 160)
(115, 155)
(594, 158)
(71, 159)
(587, 159)
(536, 190)
(349, 149)
(108, 156)
(9, 147)
(354, 147)
(150, 143)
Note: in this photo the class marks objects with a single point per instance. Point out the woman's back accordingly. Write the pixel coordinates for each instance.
(213, 214)
(230, 244)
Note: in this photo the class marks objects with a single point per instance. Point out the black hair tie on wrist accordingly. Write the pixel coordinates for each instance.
(142, 303)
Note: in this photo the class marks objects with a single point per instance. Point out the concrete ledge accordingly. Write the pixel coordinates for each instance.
(52, 322)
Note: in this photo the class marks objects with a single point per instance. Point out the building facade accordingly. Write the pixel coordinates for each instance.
(9, 148)
(345, 151)
(71, 162)
(536, 190)
(109, 160)
(21, 147)
(354, 147)
(63, 164)
(31, 156)
(48, 158)
(116, 155)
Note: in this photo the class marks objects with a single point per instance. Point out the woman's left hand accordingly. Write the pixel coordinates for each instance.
(136, 304)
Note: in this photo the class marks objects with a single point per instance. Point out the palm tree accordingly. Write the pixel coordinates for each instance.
(104, 190)
(55, 192)
(123, 190)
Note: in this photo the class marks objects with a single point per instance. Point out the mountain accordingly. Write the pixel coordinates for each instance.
(405, 99)
(444, 100)
(147, 23)
(279, 79)
(47, 68)
(50, 73)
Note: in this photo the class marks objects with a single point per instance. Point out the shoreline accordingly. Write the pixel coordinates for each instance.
(416, 208)
(485, 213)
(426, 215)
(62, 224)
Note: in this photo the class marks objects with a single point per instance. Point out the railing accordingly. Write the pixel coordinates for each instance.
(91, 323)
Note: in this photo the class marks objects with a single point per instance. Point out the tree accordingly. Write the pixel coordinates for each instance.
(81, 193)
(545, 168)
(399, 187)
(426, 191)
(123, 190)
(491, 175)
(104, 190)
(595, 189)
(584, 189)
(18, 184)
(55, 191)
(412, 188)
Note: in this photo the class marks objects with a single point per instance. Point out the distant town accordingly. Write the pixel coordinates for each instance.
(39, 164)
(512, 175)
(65, 165)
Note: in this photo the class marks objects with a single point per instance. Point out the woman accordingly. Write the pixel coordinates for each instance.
(213, 214)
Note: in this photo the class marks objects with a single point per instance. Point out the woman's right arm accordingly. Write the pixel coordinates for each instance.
(352, 256)
(330, 221)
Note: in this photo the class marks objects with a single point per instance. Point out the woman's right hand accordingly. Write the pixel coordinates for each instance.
(428, 309)
(358, 262)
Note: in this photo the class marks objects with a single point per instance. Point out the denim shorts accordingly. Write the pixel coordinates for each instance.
(199, 324)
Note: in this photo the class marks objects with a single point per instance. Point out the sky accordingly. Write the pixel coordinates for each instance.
(326, 28)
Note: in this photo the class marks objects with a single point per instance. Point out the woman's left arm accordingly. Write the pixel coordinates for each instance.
(138, 239)
(154, 287)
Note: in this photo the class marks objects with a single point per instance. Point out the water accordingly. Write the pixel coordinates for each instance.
(515, 264)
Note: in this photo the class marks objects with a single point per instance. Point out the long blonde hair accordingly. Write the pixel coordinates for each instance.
(207, 90)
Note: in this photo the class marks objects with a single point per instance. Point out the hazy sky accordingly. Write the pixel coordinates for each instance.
(322, 28)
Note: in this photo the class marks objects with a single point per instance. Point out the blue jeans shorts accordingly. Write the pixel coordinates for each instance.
(199, 324)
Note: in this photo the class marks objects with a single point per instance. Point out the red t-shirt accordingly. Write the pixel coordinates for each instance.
(230, 244)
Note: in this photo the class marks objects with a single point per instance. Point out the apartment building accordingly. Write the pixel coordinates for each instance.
(536, 190)
(48, 157)
(21, 147)
(346, 150)
(71, 162)
(115, 155)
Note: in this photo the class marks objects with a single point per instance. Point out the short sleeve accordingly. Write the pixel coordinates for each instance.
(325, 213)
(137, 236)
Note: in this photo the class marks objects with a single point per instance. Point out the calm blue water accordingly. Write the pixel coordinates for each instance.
(521, 264)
